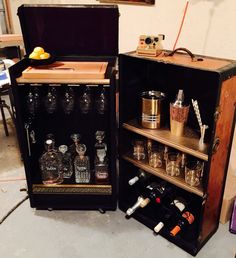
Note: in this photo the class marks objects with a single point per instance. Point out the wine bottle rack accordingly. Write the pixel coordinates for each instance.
(212, 83)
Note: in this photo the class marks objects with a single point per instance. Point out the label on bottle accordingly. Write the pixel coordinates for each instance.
(101, 153)
(188, 216)
(51, 168)
(103, 174)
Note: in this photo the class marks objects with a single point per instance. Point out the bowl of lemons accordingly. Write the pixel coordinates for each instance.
(40, 57)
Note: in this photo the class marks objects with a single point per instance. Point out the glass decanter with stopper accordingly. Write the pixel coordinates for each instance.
(75, 137)
(82, 165)
(101, 160)
(67, 167)
(50, 165)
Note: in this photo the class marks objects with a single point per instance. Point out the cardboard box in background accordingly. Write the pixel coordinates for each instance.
(230, 186)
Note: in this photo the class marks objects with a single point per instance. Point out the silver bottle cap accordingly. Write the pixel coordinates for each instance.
(63, 148)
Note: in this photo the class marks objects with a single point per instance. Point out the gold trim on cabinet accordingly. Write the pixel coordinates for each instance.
(189, 143)
(72, 189)
(160, 172)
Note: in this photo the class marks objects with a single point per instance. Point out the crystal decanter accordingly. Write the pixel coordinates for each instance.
(82, 165)
(75, 137)
(101, 160)
(66, 161)
(50, 165)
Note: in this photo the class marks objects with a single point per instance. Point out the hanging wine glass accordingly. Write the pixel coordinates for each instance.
(85, 101)
(101, 102)
(68, 101)
(33, 102)
(50, 101)
(30, 103)
(36, 99)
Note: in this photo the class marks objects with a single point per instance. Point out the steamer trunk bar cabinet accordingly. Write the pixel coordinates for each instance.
(73, 35)
(210, 81)
(89, 33)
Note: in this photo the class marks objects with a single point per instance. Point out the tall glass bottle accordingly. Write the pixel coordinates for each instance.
(50, 165)
(67, 167)
(82, 165)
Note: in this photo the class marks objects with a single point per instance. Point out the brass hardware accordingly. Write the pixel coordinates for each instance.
(216, 144)
(217, 113)
(73, 189)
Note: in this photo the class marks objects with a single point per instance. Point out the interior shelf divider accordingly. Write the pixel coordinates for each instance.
(189, 143)
(160, 172)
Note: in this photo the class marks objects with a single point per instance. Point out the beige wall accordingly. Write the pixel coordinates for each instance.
(209, 27)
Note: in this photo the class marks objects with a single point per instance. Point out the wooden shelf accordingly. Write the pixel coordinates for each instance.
(63, 81)
(189, 143)
(73, 189)
(160, 172)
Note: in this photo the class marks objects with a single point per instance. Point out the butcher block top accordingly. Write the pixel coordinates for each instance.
(65, 71)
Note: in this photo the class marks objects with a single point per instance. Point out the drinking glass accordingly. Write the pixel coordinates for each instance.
(173, 164)
(139, 150)
(193, 172)
(155, 159)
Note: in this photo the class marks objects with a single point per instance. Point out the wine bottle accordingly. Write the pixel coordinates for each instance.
(176, 207)
(158, 191)
(186, 219)
(140, 203)
(142, 176)
(153, 192)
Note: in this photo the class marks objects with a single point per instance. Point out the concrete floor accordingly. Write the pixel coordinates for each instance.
(28, 233)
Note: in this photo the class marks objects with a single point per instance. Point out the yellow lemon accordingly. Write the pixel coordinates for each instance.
(39, 50)
(45, 55)
(34, 55)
